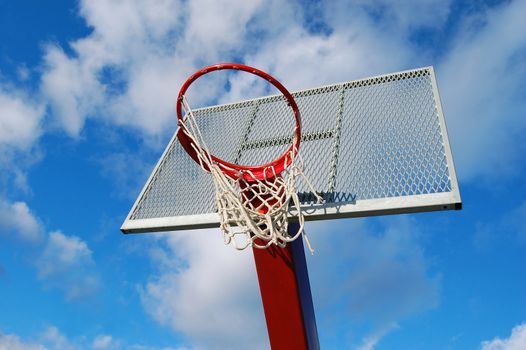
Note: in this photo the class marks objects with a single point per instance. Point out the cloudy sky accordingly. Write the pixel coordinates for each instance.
(87, 93)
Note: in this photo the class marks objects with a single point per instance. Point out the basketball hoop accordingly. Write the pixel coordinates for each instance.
(252, 201)
(259, 172)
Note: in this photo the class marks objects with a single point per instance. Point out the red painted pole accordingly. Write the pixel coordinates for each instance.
(285, 292)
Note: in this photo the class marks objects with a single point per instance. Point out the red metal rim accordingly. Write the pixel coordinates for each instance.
(260, 172)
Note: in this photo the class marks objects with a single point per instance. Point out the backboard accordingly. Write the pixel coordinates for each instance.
(370, 147)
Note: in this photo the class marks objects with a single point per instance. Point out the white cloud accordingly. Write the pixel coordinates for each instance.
(370, 342)
(117, 22)
(393, 16)
(378, 276)
(516, 341)
(63, 251)
(17, 218)
(124, 71)
(66, 263)
(207, 291)
(71, 87)
(53, 338)
(21, 125)
(103, 342)
(20, 119)
(208, 36)
(50, 339)
(13, 342)
(149, 100)
(482, 85)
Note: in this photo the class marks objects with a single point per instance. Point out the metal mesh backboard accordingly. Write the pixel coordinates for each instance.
(371, 146)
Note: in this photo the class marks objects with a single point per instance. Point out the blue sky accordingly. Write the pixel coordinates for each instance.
(87, 94)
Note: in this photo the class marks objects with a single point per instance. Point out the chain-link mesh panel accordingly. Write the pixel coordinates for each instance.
(369, 139)
(166, 195)
(391, 143)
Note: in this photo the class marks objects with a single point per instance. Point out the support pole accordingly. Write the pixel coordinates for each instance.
(286, 295)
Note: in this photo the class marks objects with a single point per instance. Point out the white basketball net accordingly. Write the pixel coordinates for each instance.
(252, 213)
